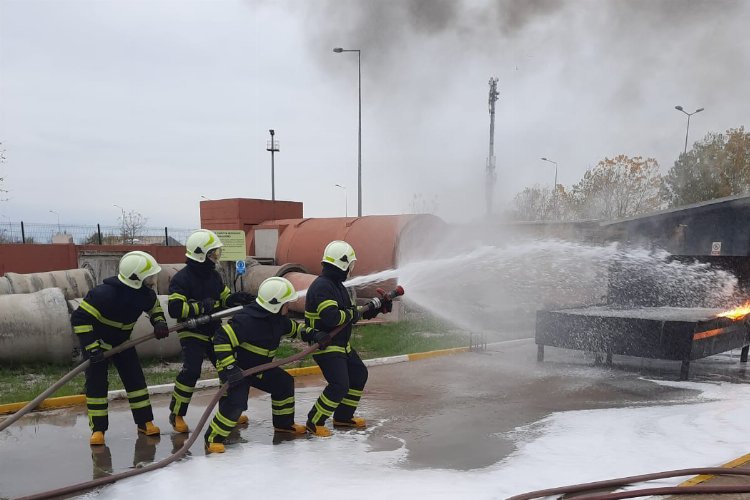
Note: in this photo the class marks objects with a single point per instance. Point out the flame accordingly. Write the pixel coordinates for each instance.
(737, 312)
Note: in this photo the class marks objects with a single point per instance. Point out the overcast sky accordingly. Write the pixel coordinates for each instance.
(152, 104)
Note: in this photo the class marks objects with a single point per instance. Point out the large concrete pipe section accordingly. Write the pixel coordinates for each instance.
(257, 273)
(165, 277)
(35, 327)
(301, 282)
(74, 283)
(380, 241)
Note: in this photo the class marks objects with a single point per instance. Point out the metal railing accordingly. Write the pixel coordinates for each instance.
(30, 232)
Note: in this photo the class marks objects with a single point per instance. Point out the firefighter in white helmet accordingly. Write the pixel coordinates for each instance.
(250, 339)
(196, 290)
(105, 319)
(328, 306)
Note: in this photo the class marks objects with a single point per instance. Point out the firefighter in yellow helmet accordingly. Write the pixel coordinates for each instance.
(197, 290)
(328, 305)
(250, 339)
(105, 319)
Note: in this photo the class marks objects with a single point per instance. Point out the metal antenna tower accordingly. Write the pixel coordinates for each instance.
(491, 174)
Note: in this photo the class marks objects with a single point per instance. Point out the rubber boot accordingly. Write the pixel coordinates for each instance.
(178, 423)
(294, 429)
(97, 438)
(317, 430)
(149, 429)
(243, 420)
(214, 447)
(356, 422)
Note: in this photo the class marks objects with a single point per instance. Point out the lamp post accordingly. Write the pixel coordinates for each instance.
(273, 147)
(58, 220)
(339, 50)
(687, 130)
(122, 211)
(346, 200)
(554, 186)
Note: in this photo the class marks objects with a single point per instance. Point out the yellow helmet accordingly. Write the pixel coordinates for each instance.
(340, 254)
(200, 243)
(275, 292)
(135, 267)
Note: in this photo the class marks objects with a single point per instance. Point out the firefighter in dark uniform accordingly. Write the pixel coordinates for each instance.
(197, 290)
(251, 339)
(328, 305)
(105, 319)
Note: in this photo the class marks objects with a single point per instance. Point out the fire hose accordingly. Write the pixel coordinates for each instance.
(67, 490)
(666, 490)
(191, 323)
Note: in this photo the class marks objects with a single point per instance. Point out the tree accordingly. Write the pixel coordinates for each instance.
(131, 225)
(619, 187)
(2, 162)
(717, 166)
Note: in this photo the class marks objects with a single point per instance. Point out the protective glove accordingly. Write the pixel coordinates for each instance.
(372, 309)
(207, 306)
(232, 374)
(96, 355)
(353, 313)
(161, 330)
(313, 336)
(387, 302)
(240, 299)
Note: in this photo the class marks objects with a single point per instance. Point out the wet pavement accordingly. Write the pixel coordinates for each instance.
(454, 412)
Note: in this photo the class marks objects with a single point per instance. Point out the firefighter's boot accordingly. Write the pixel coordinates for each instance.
(355, 422)
(97, 438)
(178, 423)
(149, 429)
(243, 420)
(317, 430)
(214, 447)
(293, 429)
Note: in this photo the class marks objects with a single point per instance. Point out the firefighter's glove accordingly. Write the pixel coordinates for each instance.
(96, 355)
(232, 374)
(207, 306)
(353, 314)
(313, 336)
(240, 299)
(161, 330)
(386, 301)
(372, 309)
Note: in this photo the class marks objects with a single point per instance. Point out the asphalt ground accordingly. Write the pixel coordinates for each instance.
(472, 401)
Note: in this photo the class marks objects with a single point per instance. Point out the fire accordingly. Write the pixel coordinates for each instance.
(737, 312)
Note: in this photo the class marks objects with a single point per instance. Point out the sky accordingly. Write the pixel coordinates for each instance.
(155, 105)
(569, 447)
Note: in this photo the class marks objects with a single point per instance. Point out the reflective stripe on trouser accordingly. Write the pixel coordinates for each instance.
(346, 375)
(219, 428)
(231, 406)
(280, 385)
(129, 368)
(193, 353)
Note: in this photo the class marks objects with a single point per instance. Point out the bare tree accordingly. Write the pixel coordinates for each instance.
(131, 225)
(2, 163)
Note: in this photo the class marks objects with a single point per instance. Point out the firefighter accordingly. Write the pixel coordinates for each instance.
(197, 290)
(105, 319)
(251, 339)
(328, 306)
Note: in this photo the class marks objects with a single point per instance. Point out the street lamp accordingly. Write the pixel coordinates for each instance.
(679, 108)
(273, 147)
(122, 210)
(346, 199)
(554, 187)
(58, 221)
(339, 50)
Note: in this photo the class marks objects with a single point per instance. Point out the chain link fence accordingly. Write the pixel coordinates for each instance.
(30, 232)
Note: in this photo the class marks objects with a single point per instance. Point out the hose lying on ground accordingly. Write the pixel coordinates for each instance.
(191, 323)
(668, 490)
(67, 490)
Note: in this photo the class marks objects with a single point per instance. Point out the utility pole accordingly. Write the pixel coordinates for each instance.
(273, 147)
(491, 174)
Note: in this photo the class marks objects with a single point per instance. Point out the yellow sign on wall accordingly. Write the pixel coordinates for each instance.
(234, 245)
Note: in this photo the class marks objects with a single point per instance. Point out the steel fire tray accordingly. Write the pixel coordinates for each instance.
(671, 333)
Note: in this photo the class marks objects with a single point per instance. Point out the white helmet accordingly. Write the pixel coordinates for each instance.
(275, 292)
(200, 243)
(340, 254)
(135, 267)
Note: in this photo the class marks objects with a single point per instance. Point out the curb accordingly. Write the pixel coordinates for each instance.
(80, 399)
(705, 477)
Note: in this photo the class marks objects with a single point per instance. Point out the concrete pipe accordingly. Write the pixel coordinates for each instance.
(165, 277)
(74, 283)
(256, 274)
(163, 348)
(301, 282)
(36, 327)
